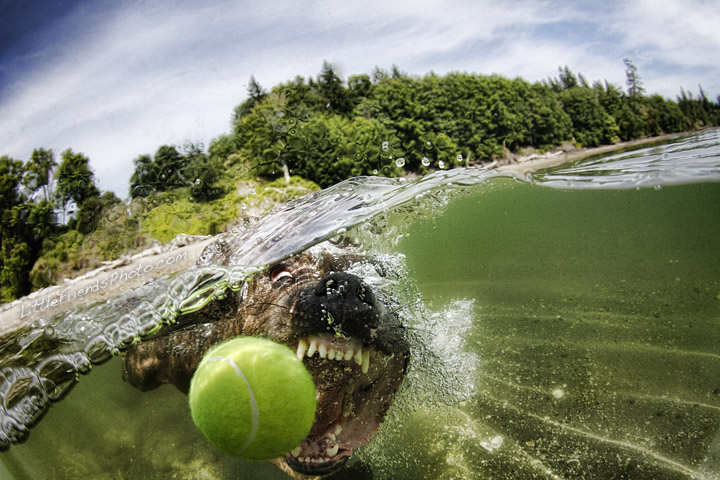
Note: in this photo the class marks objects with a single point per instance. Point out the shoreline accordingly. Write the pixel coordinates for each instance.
(132, 271)
(534, 163)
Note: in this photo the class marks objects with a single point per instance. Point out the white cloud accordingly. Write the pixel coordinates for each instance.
(673, 43)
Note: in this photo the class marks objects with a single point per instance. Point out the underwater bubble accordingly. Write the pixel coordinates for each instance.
(558, 393)
(428, 144)
(39, 323)
(400, 162)
(243, 206)
(385, 146)
(375, 172)
(441, 164)
(425, 161)
(81, 327)
(460, 157)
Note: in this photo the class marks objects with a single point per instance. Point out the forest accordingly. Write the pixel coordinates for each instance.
(306, 134)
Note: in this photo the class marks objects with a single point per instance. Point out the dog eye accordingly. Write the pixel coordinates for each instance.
(280, 274)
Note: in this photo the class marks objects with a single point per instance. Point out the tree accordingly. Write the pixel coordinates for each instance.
(91, 212)
(254, 89)
(203, 172)
(39, 170)
(22, 228)
(170, 167)
(633, 81)
(11, 172)
(255, 94)
(592, 125)
(144, 178)
(75, 180)
(360, 87)
(567, 78)
(332, 90)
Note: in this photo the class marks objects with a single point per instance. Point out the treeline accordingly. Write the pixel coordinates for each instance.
(323, 129)
(56, 223)
(39, 201)
(328, 129)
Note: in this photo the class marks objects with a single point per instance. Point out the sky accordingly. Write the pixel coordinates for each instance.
(115, 79)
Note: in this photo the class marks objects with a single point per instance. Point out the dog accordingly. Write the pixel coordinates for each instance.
(354, 346)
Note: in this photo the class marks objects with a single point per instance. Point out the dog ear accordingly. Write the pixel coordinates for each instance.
(175, 352)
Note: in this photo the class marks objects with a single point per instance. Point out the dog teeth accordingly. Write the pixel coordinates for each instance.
(331, 452)
(335, 348)
(295, 452)
(365, 361)
(312, 349)
(302, 348)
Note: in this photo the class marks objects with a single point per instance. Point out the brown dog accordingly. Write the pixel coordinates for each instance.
(354, 347)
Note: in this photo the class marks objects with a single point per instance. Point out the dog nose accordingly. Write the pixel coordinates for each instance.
(341, 286)
(343, 304)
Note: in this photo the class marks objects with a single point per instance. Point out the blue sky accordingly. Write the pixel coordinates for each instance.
(118, 78)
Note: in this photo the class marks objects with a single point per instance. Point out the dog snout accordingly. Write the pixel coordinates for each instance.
(341, 286)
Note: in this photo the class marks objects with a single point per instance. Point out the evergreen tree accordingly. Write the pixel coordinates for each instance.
(567, 78)
(332, 91)
(634, 83)
(75, 180)
(170, 168)
(256, 92)
(39, 170)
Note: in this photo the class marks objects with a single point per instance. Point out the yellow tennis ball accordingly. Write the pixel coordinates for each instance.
(253, 398)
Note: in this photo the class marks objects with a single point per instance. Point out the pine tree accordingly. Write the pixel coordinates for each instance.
(633, 81)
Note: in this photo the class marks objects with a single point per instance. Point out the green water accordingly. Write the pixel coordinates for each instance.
(597, 325)
(596, 322)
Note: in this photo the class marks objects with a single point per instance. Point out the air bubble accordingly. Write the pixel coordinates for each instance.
(441, 164)
(385, 146)
(425, 161)
(400, 162)
(460, 157)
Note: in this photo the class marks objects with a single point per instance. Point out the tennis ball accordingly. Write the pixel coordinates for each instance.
(253, 398)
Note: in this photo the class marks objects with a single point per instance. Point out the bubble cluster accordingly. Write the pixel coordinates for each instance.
(96, 334)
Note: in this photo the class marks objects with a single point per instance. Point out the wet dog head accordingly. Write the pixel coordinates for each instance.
(352, 344)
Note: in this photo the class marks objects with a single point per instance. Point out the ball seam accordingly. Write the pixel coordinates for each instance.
(251, 395)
